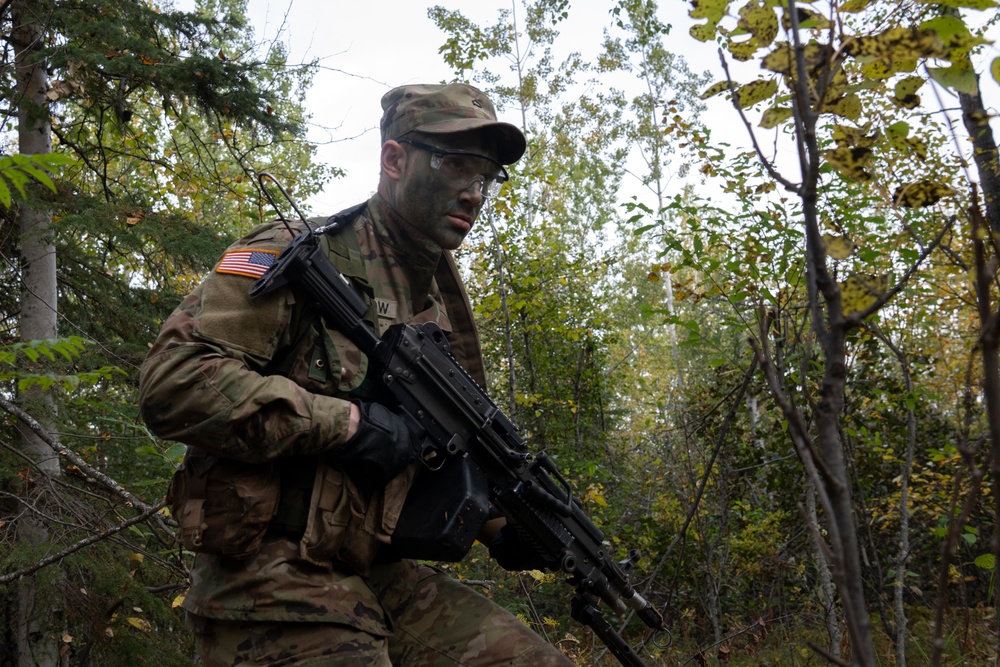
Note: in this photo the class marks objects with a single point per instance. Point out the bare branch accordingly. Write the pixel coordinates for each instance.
(771, 171)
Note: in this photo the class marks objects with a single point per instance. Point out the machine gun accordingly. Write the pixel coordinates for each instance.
(470, 445)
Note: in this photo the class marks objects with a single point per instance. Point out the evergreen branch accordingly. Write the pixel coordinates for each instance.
(17, 574)
(84, 467)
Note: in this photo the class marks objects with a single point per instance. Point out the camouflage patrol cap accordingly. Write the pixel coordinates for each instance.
(444, 109)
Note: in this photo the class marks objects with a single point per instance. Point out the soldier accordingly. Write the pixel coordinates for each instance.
(295, 474)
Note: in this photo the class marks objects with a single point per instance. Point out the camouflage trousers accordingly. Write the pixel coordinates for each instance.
(434, 621)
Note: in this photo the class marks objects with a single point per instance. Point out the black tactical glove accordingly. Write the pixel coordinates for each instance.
(382, 447)
(513, 553)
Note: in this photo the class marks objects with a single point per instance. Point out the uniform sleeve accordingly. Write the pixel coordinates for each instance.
(205, 382)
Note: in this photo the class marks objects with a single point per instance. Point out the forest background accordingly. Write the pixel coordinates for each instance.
(770, 366)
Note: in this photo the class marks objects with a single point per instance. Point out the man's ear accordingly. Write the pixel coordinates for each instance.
(392, 159)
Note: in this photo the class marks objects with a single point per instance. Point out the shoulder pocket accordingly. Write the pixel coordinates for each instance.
(346, 361)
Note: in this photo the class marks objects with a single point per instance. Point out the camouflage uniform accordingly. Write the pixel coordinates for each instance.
(266, 380)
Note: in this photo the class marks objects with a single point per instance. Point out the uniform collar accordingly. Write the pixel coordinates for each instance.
(410, 243)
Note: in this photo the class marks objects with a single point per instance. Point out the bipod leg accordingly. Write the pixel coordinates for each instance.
(583, 610)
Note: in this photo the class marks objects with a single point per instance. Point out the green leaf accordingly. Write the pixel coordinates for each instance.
(985, 561)
(899, 129)
(959, 77)
(5, 194)
(175, 453)
(968, 4)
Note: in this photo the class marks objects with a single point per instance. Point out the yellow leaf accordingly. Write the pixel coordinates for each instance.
(880, 68)
(860, 292)
(849, 161)
(807, 19)
(594, 496)
(713, 10)
(703, 32)
(775, 116)
(756, 91)
(782, 60)
(848, 107)
(908, 86)
(897, 43)
(838, 247)
(970, 4)
(920, 193)
(178, 601)
(715, 89)
(995, 69)
(760, 21)
(139, 623)
(854, 136)
(138, 558)
(541, 577)
(745, 50)
(853, 6)
(917, 145)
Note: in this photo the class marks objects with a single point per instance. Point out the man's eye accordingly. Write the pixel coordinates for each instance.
(455, 163)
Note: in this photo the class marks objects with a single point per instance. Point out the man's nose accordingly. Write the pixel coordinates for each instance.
(474, 192)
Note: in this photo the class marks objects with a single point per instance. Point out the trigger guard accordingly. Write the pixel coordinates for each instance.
(432, 458)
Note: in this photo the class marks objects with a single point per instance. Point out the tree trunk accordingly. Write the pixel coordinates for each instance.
(38, 609)
(987, 159)
(825, 589)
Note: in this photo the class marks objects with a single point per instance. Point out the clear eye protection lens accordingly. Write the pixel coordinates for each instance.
(461, 169)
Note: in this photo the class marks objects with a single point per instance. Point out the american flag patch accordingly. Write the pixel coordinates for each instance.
(244, 262)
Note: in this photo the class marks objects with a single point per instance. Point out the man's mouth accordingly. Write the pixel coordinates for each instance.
(461, 219)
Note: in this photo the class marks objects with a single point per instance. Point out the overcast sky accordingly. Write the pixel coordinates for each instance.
(365, 49)
(368, 47)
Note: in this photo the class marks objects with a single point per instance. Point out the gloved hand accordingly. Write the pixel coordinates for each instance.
(513, 553)
(382, 447)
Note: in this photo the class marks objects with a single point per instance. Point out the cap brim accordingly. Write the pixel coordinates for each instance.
(510, 143)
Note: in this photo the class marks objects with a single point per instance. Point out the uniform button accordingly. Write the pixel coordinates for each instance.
(320, 363)
(343, 372)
